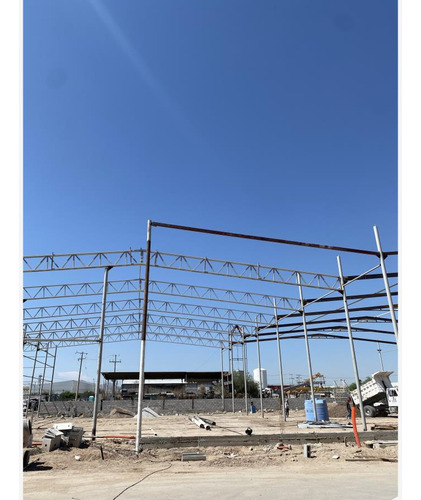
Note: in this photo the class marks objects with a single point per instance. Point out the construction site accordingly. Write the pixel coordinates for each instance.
(189, 435)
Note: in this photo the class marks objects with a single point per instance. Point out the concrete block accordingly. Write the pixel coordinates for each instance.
(75, 437)
(50, 444)
(65, 426)
(186, 457)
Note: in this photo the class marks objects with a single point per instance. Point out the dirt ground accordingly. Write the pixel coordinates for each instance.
(106, 467)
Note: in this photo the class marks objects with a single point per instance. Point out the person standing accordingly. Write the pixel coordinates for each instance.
(286, 408)
(348, 408)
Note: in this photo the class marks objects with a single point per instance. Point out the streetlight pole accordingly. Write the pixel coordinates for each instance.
(380, 356)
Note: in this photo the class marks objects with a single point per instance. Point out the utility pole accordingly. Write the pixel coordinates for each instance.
(80, 370)
(115, 362)
(380, 356)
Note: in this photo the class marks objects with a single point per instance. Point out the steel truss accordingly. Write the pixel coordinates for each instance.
(206, 322)
(156, 333)
(123, 325)
(177, 262)
(68, 290)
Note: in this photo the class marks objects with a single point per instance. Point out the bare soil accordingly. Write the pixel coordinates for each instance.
(108, 460)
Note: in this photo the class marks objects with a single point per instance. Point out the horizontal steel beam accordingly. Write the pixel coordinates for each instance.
(321, 335)
(360, 296)
(268, 239)
(327, 312)
(325, 329)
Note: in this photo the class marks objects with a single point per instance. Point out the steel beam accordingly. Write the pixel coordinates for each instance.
(303, 314)
(260, 372)
(281, 377)
(351, 343)
(100, 345)
(386, 282)
(143, 340)
(265, 238)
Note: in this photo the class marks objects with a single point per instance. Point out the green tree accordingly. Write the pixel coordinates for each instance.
(252, 386)
(67, 395)
(353, 386)
(86, 394)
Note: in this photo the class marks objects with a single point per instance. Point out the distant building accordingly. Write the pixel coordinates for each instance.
(70, 386)
(168, 384)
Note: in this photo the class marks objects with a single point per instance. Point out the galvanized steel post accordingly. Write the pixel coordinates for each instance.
(232, 370)
(281, 377)
(100, 345)
(245, 370)
(52, 374)
(260, 371)
(351, 343)
(143, 339)
(42, 384)
(303, 314)
(386, 283)
(33, 374)
(222, 377)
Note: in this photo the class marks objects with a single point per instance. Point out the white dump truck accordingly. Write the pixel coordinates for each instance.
(379, 396)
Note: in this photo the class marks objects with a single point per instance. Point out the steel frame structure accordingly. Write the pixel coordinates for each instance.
(205, 322)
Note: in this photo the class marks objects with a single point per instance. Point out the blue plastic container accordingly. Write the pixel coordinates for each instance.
(321, 409)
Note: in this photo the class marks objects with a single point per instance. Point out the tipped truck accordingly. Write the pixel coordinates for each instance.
(379, 396)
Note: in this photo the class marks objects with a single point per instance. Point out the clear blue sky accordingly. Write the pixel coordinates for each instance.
(274, 118)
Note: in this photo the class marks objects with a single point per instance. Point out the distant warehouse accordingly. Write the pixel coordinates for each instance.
(170, 384)
(71, 385)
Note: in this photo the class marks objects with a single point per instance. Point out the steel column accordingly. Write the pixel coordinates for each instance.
(100, 345)
(351, 343)
(231, 353)
(245, 371)
(52, 374)
(386, 282)
(260, 371)
(222, 377)
(281, 377)
(303, 314)
(33, 374)
(43, 377)
(143, 339)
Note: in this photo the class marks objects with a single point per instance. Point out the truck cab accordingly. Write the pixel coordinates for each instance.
(392, 399)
